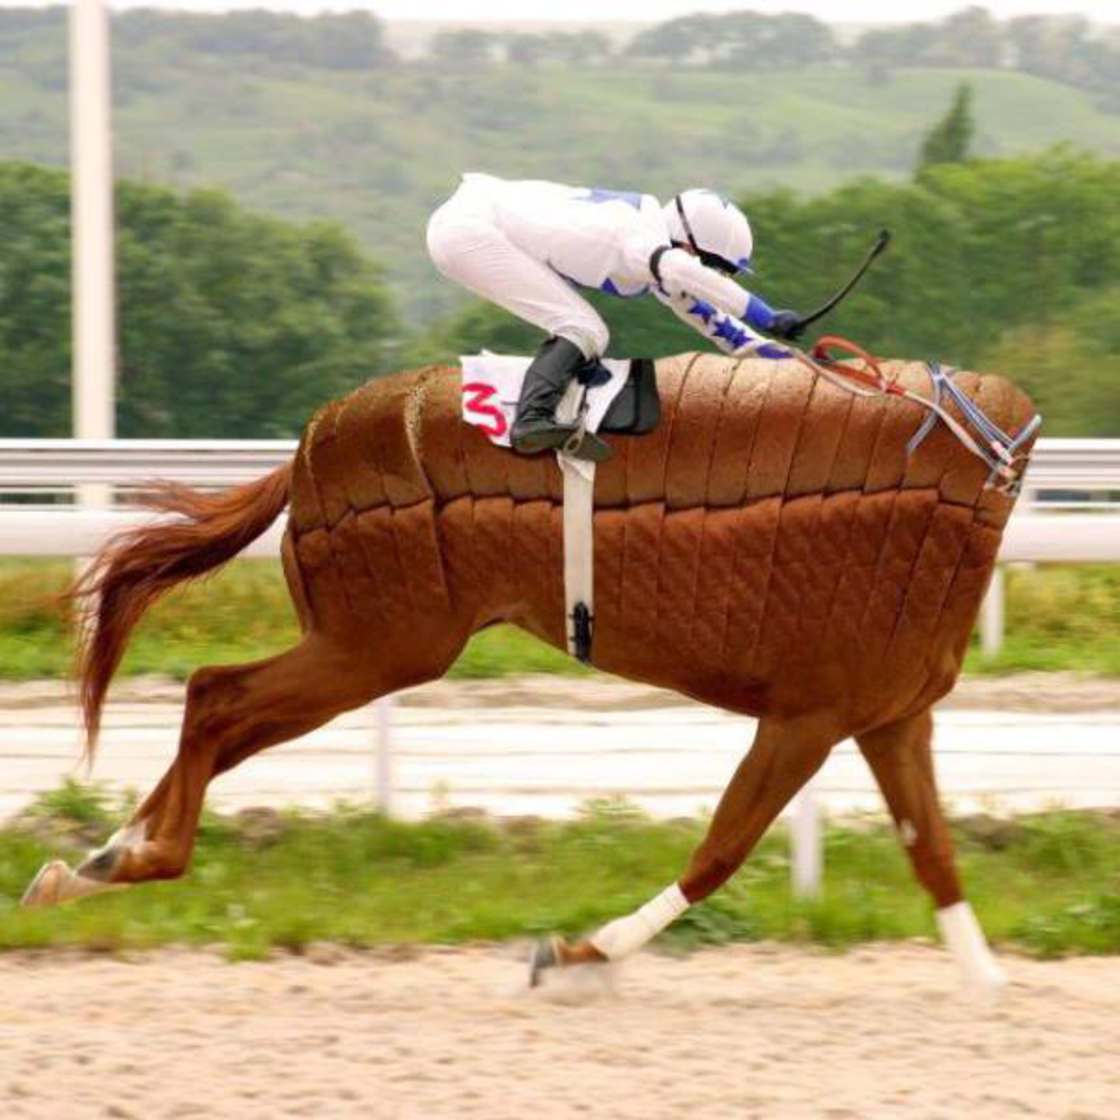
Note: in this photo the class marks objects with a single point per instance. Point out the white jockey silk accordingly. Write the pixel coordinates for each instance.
(525, 245)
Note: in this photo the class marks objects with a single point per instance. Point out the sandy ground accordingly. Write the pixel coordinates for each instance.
(748, 1031)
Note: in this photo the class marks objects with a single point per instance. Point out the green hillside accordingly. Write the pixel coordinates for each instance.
(378, 149)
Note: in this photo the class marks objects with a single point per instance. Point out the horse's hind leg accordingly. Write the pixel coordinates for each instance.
(901, 758)
(784, 756)
(231, 713)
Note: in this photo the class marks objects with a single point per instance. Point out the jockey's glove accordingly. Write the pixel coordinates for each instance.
(786, 324)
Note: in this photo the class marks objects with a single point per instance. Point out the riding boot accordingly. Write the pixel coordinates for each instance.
(535, 428)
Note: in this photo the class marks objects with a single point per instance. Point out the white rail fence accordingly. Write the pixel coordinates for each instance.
(1069, 492)
(1069, 511)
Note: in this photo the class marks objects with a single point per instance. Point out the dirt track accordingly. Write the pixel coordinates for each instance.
(741, 1032)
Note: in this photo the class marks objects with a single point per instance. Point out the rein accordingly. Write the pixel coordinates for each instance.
(988, 442)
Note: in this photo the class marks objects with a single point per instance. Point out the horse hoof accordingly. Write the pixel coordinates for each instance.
(990, 985)
(46, 888)
(545, 954)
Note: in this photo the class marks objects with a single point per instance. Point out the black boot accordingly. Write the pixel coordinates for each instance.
(552, 368)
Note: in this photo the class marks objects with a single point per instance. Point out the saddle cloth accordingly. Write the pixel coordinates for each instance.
(492, 385)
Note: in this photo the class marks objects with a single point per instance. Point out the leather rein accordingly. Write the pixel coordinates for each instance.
(865, 377)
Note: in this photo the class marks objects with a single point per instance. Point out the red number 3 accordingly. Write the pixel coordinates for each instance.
(478, 404)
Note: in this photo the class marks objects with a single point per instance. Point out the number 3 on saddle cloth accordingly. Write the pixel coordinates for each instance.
(621, 395)
(615, 396)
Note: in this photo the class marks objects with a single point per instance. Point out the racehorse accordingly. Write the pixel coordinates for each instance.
(777, 547)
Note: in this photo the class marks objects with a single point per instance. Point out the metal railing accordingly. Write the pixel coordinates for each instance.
(1069, 490)
(1058, 466)
(57, 465)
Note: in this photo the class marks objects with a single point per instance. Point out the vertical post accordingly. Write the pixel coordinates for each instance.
(992, 615)
(91, 204)
(806, 840)
(383, 755)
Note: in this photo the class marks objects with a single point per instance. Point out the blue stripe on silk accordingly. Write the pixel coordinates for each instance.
(727, 329)
(702, 310)
(608, 286)
(759, 314)
(611, 289)
(601, 194)
(772, 351)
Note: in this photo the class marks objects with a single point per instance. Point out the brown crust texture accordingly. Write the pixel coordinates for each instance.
(770, 548)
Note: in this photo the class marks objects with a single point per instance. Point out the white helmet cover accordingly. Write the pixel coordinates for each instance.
(717, 230)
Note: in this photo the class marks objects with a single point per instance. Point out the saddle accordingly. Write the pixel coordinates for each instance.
(614, 396)
(636, 410)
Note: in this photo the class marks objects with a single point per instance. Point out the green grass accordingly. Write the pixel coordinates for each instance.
(1058, 618)
(243, 613)
(1048, 884)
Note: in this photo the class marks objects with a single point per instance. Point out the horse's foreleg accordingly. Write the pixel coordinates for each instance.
(901, 759)
(784, 756)
(231, 713)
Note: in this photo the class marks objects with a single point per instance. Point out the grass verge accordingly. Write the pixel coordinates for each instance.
(1057, 618)
(1048, 884)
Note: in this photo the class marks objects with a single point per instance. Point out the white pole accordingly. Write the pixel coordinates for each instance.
(806, 839)
(91, 202)
(383, 755)
(992, 615)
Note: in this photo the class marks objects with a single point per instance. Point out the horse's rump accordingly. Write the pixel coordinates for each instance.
(772, 522)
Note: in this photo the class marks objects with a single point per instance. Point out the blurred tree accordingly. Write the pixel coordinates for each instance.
(34, 302)
(576, 48)
(1070, 367)
(464, 47)
(893, 47)
(980, 247)
(231, 325)
(343, 41)
(580, 48)
(526, 48)
(949, 139)
(676, 40)
(970, 37)
(743, 39)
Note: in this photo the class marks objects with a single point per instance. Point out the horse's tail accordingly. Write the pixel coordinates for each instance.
(136, 567)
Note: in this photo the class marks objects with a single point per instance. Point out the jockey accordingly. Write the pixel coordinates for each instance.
(526, 246)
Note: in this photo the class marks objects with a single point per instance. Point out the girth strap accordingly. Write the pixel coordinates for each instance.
(579, 554)
(579, 534)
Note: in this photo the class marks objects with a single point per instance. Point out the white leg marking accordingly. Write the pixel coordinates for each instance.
(965, 939)
(126, 836)
(56, 883)
(627, 935)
